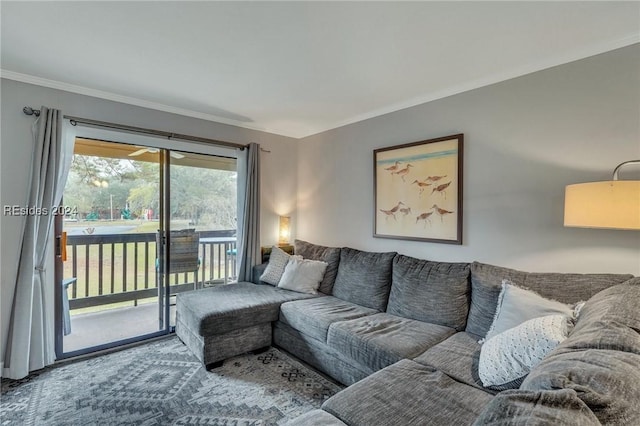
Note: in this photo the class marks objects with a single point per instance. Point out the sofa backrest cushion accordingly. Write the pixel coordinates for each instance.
(601, 357)
(486, 283)
(610, 320)
(364, 278)
(435, 292)
(331, 255)
(258, 270)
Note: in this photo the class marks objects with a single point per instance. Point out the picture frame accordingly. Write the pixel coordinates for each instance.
(418, 190)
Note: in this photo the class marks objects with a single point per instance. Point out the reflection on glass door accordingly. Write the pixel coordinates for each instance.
(109, 276)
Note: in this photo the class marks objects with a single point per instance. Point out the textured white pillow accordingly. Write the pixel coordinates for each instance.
(277, 262)
(303, 275)
(517, 305)
(505, 359)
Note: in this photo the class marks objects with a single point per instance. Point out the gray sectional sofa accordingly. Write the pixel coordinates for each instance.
(402, 333)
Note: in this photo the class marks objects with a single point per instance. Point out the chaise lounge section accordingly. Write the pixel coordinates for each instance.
(403, 334)
(220, 322)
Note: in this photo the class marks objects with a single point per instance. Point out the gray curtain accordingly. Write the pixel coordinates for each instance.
(30, 344)
(248, 244)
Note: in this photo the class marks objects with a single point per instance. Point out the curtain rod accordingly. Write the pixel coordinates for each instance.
(78, 120)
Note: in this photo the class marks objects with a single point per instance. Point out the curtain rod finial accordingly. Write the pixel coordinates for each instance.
(30, 111)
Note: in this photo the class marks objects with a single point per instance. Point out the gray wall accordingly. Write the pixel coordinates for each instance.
(525, 139)
(278, 167)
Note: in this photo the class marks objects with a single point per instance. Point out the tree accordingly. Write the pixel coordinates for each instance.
(96, 184)
(205, 197)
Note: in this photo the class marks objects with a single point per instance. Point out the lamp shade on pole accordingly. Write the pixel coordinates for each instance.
(611, 204)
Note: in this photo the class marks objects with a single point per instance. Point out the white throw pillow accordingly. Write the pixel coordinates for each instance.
(303, 275)
(277, 262)
(517, 305)
(507, 358)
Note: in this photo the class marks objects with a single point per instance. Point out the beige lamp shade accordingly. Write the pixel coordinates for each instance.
(611, 204)
(284, 230)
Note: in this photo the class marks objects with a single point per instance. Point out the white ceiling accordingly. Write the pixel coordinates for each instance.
(298, 68)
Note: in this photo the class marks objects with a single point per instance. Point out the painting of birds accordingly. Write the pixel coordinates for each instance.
(442, 189)
(420, 174)
(441, 212)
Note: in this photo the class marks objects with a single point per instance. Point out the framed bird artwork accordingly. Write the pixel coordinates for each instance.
(418, 190)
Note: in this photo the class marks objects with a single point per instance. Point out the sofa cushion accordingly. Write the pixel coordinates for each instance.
(548, 407)
(318, 354)
(331, 255)
(364, 278)
(381, 339)
(314, 316)
(606, 381)
(407, 393)
(609, 320)
(434, 292)
(457, 356)
(486, 283)
(220, 309)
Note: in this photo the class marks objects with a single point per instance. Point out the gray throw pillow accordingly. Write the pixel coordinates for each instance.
(275, 268)
(364, 278)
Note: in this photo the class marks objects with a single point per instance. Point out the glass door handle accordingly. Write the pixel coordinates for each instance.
(61, 246)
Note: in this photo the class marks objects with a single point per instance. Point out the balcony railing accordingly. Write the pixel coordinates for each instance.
(114, 268)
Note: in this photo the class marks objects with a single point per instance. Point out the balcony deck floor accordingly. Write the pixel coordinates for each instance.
(110, 325)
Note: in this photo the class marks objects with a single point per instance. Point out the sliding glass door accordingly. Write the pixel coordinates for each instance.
(140, 225)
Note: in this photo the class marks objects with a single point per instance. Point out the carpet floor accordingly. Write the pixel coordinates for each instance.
(162, 383)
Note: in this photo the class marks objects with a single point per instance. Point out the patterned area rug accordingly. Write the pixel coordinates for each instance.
(162, 383)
